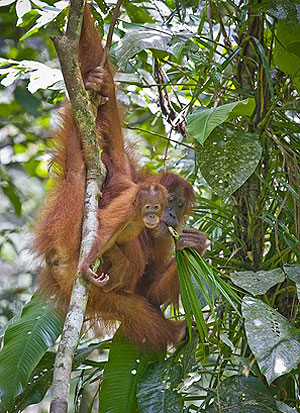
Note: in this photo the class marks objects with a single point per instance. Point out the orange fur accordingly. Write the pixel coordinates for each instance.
(146, 275)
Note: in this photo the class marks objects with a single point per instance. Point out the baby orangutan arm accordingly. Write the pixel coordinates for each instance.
(122, 220)
(117, 268)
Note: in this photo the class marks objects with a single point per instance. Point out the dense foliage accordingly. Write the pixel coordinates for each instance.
(211, 91)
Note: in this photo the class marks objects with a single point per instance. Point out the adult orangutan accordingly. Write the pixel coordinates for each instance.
(142, 274)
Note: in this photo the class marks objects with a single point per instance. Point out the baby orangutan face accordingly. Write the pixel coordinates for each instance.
(152, 201)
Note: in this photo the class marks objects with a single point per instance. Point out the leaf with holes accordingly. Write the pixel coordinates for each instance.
(259, 282)
(227, 159)
(244, 395)
(273, 341)
(157, 389)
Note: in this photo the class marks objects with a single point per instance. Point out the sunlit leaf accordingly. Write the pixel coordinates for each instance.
(258, 282)
(135, 41)
(203, 121)
(47, 15)
(273, 341)
(22, 7)
(41, 75)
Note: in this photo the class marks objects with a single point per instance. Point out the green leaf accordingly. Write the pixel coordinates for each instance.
(25, 343)
(266, 65)
(41, 76)
(137, 14)
(135, 41)
(281, 9)
(286, 53)
(28, 102)
(157, 389)
(259, 282)
(273, 341)
(47, 15)
(189, 355)
(293, 272)
(203, 121)
(124, 368)
(6, 2)
(244, 395)
(10, 190)
(228, 159)
(189, 297)
(190, 265)
(102, 5)
(38, 383)
(284, 408)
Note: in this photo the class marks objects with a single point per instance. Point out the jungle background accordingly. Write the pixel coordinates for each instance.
(210, 90)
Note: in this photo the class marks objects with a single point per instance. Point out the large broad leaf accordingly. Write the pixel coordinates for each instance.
(38, 383)
(273, 341)
(287, 49)
(25, 343)
(203, 121)
(135, 41)
(281, 9)
(41, 378)
(227, 159)
(47, 14)
(284, 408)
(293, 272)
(124, 368)
(41, 76)
(259, 282)
(157, 389)
(244, 395)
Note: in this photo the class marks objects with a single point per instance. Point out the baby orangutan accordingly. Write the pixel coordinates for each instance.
(121, 221)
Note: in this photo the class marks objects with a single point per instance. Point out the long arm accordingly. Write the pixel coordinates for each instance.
(100, 80)
(58, 228)
(112, 222)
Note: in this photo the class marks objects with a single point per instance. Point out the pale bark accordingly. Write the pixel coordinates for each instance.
(83, 111)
